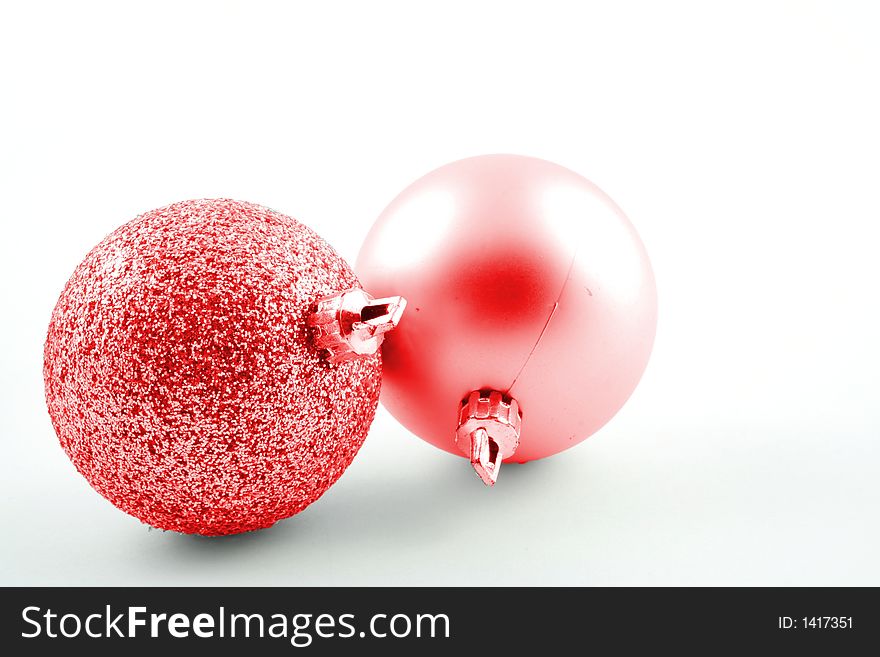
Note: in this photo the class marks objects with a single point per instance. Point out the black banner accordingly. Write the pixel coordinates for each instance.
(436, 620)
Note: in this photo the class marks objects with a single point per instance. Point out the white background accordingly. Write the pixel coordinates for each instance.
(742, 140)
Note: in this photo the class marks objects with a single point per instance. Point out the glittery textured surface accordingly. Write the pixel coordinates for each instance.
(180, 377)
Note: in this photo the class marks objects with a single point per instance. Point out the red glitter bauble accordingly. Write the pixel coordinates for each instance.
(181, 378)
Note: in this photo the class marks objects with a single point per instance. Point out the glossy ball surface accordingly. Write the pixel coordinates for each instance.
(520, 276)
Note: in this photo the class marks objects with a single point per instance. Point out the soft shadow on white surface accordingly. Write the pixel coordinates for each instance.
(623, 508)
(372, 528)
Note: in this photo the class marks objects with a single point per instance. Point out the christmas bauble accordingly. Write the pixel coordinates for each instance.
(532, 308)
(181, 377)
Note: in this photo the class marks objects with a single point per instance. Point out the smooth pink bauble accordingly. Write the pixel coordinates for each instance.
(520, 276)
